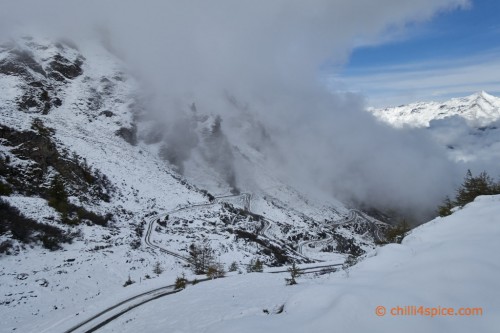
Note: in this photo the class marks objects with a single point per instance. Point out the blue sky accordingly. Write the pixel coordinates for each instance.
(454, 54)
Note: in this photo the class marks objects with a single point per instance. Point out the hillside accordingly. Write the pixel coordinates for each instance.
(213, 166)
(95, 189)
(446, 263)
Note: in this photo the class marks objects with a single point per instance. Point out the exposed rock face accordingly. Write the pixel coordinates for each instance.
(65, 67)
(41, 78)
(128, 134)
(41, 161)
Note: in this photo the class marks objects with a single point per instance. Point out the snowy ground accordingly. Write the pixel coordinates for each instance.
(448, 262)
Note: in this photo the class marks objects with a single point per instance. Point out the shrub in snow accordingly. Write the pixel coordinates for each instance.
(233, 267)
(5, 189)
(180, 282)
(128, 282)
(255, 266)
(215, 271)
(27, 230)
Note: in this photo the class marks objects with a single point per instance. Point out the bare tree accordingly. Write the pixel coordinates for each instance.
(201, 257)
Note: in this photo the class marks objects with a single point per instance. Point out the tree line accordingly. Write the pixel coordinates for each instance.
(471, 187)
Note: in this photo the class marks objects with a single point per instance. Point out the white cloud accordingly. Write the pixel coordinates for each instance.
(266, 54)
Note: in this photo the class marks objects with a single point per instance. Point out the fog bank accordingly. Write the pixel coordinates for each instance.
(268, 56)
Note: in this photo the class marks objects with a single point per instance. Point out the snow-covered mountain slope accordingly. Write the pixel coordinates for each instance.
(480, 109)
(88, 119)
(88, 178)
(468, 128)
(446, 263)
(83, 105)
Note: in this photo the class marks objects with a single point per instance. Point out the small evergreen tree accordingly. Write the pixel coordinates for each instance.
(348, 263)
(233, 267)
(215, 271)
(58, 197)
(255, 266)
(397, 232)
(157, 268)
(294, 273)
(445, 208)
(128, 282)
(212, 272)
(5, 189)
(259, 266)
(473, 187)
(180, 282)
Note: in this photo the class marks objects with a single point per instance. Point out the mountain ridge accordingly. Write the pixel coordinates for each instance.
(479, 109)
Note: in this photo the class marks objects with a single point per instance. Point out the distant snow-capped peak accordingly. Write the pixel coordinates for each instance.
(479, 109)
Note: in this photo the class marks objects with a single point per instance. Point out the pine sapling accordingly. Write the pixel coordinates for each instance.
(294, 273)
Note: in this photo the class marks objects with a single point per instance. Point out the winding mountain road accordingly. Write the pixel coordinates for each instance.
(101, 318)
(315, 243)
(109, 314)
(355, 216)
(147, 240)
(245, 199)
(264, 233)
(113, 312)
